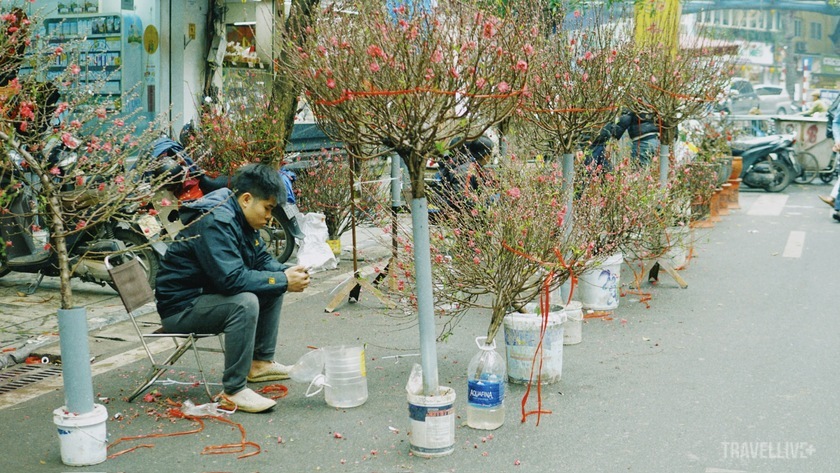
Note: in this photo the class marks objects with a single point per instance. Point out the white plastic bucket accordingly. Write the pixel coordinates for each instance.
(522, 335)
(598, 287)
(83, 437)
(573, 330)
(345, 377)
(677, 239)
(432, 423)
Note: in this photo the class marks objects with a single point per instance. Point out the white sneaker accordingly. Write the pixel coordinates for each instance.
(246, 400)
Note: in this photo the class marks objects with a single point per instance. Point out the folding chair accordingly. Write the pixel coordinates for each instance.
(131, 282)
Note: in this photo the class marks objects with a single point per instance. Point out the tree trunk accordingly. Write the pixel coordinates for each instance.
(57, 236)
(284, 94)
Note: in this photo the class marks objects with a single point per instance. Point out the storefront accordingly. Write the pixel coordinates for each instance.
(826, 72)
(143, 57)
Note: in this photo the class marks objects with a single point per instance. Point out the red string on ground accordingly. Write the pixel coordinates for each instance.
(175, 412)
(603, 314)
(275, 391)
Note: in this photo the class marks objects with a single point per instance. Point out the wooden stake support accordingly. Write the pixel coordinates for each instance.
(352, 287)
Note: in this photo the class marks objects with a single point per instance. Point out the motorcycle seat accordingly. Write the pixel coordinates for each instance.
(38, 257)
(745, 144)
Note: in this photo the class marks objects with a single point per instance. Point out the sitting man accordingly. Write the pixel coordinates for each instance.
(218, 277)
(816, 107)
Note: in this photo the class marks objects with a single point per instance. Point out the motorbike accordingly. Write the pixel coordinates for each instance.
(29, 246)
(279, 235)
(768, 161)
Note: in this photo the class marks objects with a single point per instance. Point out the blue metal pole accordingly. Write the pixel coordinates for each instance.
(569, 188)
(425, 296)
(75, 360)
(664, 153)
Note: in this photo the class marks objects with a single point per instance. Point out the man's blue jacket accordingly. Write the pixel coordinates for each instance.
(219, 253)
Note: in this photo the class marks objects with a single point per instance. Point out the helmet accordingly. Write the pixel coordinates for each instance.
(188, 131)
(480, 147)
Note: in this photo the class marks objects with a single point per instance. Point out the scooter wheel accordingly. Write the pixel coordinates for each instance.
(279, 240)
(810, 167)
(784, 176)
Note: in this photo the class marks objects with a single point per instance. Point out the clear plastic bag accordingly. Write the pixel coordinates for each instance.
(309, 366)
(415, 380)
(209, 409)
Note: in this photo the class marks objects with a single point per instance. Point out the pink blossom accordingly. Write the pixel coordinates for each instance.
(374, 67)
(521, 66)
(81, 224)
(23, 126)
(514, 192)
(15, 86)
(58, 51)
(489, 30)
(528, 49)
(375, 51)
(480, 82)
(331, 83)
(76, 124)
(69, 141)
(119, 179)
(55, 171)
(454, 73)
(437, 56)
(588, 55)
(476, 260)
(25, 110)
(100, 112)
(585, 76)
(503, 87)
(577, 13)
(62, 107)
(165, 202)
(75, 69)
(119, 122)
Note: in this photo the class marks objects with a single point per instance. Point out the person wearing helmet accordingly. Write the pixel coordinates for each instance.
(463, 169)
(817, 105)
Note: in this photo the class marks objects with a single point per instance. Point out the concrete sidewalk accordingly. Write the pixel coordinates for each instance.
(735, 373)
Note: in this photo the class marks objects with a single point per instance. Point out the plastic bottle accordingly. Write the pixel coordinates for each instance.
(486, 379)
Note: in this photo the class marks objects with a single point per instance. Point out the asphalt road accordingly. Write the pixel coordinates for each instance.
(735, 373)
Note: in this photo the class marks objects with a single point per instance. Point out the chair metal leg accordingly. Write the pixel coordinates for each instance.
(158, 370)
(201, 371)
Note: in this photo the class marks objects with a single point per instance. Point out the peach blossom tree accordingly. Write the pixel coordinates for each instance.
(412, 79)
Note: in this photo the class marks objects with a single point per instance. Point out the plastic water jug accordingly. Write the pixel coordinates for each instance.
(345, 379)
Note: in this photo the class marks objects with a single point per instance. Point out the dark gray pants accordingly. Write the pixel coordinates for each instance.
(250, 324)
